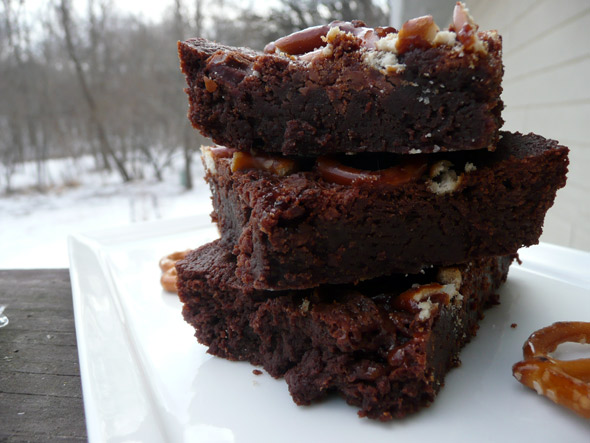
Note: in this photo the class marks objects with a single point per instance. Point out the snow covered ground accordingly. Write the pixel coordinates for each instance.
(34, 226)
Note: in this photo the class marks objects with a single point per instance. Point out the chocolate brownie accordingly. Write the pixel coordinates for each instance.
(304, 228)
(385, 345)
(363, 89)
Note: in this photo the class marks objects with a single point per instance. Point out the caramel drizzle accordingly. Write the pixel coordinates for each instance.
(330, 169)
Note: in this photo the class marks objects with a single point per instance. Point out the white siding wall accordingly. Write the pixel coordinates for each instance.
(547, 91)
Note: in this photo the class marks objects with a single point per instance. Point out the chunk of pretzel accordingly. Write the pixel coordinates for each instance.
(169, 274)
(565, 382)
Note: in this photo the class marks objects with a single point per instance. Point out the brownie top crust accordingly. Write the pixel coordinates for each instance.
(418, 90)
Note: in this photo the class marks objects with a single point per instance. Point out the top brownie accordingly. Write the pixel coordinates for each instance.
(344, 87)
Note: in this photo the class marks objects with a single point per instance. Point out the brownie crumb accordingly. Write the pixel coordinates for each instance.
(342, 341)
(513, 325)
(257, 372)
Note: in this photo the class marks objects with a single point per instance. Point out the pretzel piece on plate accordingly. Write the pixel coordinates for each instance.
(565, 382)
(168, 267)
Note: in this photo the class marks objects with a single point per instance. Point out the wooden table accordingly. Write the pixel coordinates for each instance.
(40, 390)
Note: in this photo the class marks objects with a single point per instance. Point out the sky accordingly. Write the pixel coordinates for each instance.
(149, 8)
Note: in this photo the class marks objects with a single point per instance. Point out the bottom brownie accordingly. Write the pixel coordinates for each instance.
(385, 344)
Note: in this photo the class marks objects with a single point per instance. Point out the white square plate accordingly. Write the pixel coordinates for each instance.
(146, 378)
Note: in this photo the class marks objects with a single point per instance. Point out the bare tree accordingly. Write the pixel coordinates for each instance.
(11, 130)
(64, 9)
(20, 90)
(10, 137)
(189, 138)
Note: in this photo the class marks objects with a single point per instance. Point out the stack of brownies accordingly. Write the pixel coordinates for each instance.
(368, 204)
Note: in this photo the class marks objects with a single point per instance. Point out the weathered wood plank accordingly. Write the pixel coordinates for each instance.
(67, 386)
(40, 418)
(49, 321)
(18, 336)
(40, 358)
(40, 390)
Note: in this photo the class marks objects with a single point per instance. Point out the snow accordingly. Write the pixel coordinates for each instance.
(34, 226)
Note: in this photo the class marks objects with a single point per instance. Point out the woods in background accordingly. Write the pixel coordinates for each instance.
(105, 83)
